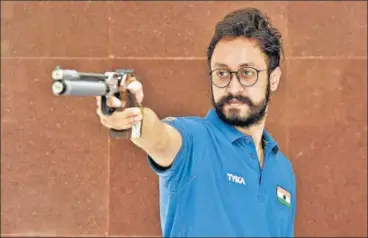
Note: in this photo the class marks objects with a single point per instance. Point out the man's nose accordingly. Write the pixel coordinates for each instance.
(234, 86)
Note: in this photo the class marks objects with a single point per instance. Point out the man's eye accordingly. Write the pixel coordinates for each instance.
(222, 73)
(248, 73)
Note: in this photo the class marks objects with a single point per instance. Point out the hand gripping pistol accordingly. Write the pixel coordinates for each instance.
(109, 84)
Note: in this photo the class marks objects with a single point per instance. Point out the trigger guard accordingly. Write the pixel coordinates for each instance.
(106, 110)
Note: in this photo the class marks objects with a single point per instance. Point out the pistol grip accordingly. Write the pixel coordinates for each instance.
(131, 101)
(136, 129)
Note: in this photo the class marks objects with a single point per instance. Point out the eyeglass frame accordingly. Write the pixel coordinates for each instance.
(237, 76)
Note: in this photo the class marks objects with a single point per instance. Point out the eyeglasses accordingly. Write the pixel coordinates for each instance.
(247, 76)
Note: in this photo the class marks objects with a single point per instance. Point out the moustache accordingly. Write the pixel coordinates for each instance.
(240, 98)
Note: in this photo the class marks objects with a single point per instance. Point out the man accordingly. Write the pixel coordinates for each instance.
(223, 175)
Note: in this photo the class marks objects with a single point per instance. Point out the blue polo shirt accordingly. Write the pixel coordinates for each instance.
(215, 186)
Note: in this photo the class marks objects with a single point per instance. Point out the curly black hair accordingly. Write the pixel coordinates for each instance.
(253, 24)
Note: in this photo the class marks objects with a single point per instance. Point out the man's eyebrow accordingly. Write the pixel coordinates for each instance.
(220, 65)
(241, 65)
(247, 64)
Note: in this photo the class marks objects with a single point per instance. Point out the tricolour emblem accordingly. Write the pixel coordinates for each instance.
(283, 196)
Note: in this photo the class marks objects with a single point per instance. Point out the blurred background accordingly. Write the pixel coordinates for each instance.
(61, 173)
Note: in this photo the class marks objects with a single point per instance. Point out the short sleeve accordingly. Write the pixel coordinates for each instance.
(189, 154)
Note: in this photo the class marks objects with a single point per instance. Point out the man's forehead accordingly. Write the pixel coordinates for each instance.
(236, 63)
(237, 52)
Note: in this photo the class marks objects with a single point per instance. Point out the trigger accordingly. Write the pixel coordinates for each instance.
(106, 110)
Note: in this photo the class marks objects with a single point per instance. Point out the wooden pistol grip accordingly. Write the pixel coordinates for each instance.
(131, 101)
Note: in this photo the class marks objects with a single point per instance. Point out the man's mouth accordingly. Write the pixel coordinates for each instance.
(235, 102)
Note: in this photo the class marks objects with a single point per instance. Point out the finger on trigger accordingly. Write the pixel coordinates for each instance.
(113, 102)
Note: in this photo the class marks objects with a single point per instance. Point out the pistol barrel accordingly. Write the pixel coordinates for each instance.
(80, 88)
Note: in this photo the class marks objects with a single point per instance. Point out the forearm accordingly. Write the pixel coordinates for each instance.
(157, 139)
(151, 125)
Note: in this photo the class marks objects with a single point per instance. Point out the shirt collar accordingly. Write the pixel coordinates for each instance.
(233, 134)
(269, 142)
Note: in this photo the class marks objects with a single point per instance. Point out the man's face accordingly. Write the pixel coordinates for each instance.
(236, 104)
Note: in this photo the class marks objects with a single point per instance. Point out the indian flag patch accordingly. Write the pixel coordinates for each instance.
(283, 196)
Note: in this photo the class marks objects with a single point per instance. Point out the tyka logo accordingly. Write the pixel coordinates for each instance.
(235, 179)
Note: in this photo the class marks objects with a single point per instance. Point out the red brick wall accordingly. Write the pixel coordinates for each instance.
(62, 175)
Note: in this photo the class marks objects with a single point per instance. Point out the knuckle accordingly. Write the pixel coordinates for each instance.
(103, 121)
(126, 113)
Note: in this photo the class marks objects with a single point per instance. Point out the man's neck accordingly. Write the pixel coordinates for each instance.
(256, 132)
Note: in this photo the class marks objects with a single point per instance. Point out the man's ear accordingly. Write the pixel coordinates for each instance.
(275, 78)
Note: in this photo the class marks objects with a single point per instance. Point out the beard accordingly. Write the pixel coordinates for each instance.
(257, 111)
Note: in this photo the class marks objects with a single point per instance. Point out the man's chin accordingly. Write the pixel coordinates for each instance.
(234, 114)
(238, 109)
